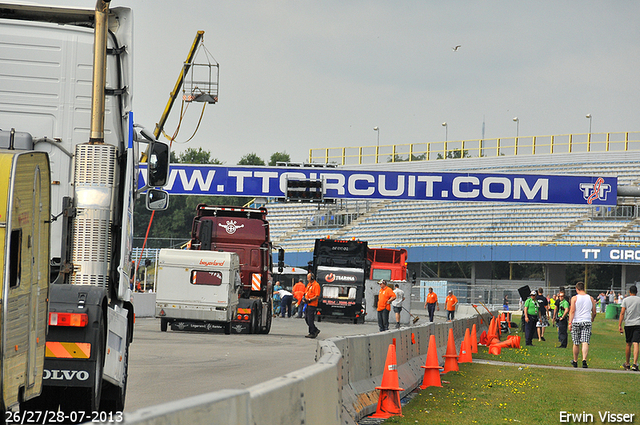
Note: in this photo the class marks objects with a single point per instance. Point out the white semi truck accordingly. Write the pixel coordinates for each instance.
(66, 93)
(197, 290)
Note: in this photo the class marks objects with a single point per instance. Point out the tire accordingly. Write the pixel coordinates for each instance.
(254, 329)
(267, 327)
(163, 324)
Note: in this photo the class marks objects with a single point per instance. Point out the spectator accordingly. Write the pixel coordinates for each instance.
(581, 316)
(286, 298)
(620, 298)
(562, 319)
(530, 309)
(630, 313)
(397, 304)
(612, 297)
(431, 304)
(298, 294)
(505, 303)
(555, 313)
(450, 304)
(385, 297)
(311, 296)
(276, 299)
(543, 312)
(603, 302)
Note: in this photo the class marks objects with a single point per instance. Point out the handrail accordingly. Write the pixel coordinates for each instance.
(475, 148)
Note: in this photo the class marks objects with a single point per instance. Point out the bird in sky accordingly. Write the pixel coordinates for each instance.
(455, 49)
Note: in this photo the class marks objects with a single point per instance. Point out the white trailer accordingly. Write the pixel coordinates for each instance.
(197, 290)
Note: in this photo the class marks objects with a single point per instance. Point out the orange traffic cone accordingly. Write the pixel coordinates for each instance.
(494, 349)
(389, 398)
(451, 357)
(483, 338)
(493, 336)
(491, 331)
(432, 368)
(474, 339)
(465, 349)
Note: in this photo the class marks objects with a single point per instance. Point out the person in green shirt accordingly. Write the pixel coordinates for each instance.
(530, 308)
(563, 319)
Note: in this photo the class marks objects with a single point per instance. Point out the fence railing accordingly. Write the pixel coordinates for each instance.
(475, 148)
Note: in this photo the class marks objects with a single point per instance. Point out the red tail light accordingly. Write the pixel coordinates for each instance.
(79, 320)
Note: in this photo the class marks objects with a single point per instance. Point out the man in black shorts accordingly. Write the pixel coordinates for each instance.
(630, 313)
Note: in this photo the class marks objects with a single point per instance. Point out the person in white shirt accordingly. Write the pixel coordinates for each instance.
(397, 304)
(581, 316)
(630, 313)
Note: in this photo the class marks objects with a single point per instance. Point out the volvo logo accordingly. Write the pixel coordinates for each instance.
(65, 375)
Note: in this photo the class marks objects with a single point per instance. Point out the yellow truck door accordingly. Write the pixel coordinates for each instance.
(24, 256)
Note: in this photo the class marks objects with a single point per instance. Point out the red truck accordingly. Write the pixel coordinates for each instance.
(244, 231)
(388, 264)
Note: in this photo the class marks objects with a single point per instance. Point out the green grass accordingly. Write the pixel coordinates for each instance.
(606, 349)
(490, 394)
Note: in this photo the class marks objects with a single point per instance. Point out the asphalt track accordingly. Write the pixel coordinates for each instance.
(172, 365)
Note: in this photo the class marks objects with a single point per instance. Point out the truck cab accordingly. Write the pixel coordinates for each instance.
(341, 268)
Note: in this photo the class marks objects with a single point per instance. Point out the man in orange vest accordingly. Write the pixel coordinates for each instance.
(450, 304)
(431, 304)
(385, 296)
(311, 296)
(298, 294)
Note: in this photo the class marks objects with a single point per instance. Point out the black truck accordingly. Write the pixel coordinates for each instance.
(341, 268)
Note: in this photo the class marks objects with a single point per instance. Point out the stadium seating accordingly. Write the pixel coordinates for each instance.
(410, 223)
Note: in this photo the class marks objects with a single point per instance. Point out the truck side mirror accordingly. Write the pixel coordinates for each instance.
(157, 200)
(158, 164)
(280, 260)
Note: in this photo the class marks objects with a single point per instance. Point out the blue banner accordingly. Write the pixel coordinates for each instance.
(271, 182)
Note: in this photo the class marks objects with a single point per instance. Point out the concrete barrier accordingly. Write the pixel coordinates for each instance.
(340, 388)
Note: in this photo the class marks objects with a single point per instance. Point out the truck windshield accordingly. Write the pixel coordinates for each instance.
(348, 292)
(378, 274)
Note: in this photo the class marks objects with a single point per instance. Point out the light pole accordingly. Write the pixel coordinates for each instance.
(446, 131)
(589, 135)
(517, 121)
(377, 130)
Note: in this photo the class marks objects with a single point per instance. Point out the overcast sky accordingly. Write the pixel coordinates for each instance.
(296, 75)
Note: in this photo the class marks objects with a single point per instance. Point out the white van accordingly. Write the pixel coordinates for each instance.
(197, 290)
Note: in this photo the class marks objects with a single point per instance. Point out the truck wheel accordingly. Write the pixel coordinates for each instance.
(267, 327)
(163, 324)
(255, 323)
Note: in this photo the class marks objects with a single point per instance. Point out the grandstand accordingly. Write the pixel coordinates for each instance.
(397, 223)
